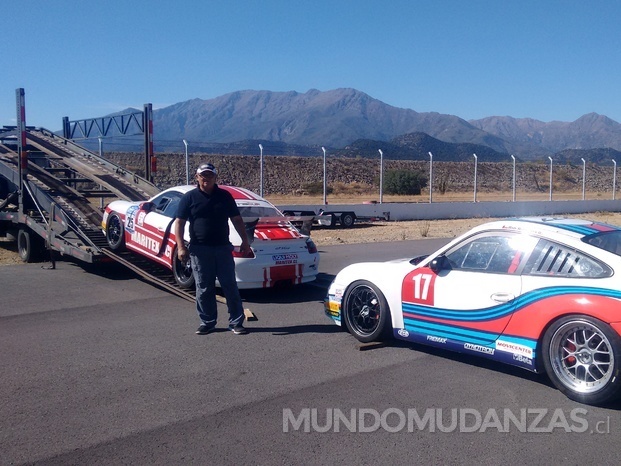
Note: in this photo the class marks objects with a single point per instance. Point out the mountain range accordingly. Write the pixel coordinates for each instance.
(350, 122)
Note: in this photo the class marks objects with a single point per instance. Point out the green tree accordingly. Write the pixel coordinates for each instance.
(404, 182)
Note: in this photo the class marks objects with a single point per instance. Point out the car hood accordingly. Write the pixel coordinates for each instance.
(122, 206)
(374, 271)
(399, 261)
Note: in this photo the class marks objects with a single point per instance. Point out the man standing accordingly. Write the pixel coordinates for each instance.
(208, 210)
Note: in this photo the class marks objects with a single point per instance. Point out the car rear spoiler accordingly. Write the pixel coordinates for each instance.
(303, 223)
(250, 224)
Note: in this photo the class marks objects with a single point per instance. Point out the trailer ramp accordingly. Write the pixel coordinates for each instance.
(63, 185)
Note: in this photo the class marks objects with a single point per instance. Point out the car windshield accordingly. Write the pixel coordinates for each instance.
(259, 211)
(609, 241)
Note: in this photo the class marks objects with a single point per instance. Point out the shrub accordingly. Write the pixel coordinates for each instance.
(316, 188)
(404, 182)
(352, 189)
(443, 184)
(424, 227)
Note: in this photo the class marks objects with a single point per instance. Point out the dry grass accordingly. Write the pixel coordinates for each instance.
(358, 197)
(8, 253)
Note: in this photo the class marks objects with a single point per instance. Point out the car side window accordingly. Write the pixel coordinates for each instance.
(171, 208)
(553, 259)
(609, 241)
(491, 253)
(167, 204)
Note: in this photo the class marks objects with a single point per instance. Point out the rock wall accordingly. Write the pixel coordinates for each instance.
(293, 175)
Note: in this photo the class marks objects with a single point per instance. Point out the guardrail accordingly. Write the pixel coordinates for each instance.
(453, 210)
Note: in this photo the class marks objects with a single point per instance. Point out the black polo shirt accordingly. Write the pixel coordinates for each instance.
(208, 215)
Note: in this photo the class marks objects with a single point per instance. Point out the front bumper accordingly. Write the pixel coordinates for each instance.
(332, 303)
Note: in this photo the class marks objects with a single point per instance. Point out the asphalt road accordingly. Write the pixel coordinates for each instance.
(106, 369)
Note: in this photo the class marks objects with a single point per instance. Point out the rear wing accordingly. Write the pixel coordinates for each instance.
(303, 223)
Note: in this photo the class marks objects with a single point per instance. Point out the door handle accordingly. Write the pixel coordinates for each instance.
(502, 297)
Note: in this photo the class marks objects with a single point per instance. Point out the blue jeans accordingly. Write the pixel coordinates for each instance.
(209, 263)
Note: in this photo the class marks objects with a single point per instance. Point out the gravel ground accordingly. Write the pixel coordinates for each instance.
(393, 231)
(8, 253)
(373, 232)
(419, 229)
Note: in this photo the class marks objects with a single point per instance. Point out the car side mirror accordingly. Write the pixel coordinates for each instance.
(440, 263)
(418, 259)
(146, 206)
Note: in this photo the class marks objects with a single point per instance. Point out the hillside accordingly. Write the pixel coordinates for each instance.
(346, 119)
(416, 146)
(331, 119)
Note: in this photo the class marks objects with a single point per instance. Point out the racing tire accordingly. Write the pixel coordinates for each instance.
(115, 233)
(182, 272)
(30, 246)
(348, 219)
(582, 357)
(365, 312)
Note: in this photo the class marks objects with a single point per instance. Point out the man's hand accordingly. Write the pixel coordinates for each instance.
(240, 227)
(244, 247)
(182, 252)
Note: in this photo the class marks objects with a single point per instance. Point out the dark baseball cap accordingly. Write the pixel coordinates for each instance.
(206, 167)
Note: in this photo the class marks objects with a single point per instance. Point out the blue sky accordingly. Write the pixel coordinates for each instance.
(546, 59)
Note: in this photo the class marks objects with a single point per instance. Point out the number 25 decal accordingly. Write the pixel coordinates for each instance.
(418, 287)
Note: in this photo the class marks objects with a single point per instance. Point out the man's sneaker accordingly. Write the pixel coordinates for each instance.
(238, 329)
(204, 329)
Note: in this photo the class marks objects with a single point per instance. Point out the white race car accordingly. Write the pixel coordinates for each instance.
(280, 253)
(539, 293)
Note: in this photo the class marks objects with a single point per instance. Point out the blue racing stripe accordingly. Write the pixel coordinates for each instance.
(451, 331)
(587, 229)
(489, 313)
(502, 310)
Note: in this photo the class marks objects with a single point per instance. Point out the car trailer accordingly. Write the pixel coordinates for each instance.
(46, 197)
(49, 188)
(332, 217)
(51, 197)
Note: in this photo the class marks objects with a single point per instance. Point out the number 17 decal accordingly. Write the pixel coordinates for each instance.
(418, 287)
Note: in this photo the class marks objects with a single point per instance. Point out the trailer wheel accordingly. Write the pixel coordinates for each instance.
(348, 219)
(115, 232)
(29, 246)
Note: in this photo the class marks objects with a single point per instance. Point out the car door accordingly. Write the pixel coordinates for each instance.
(472, 296)
(153, 226)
